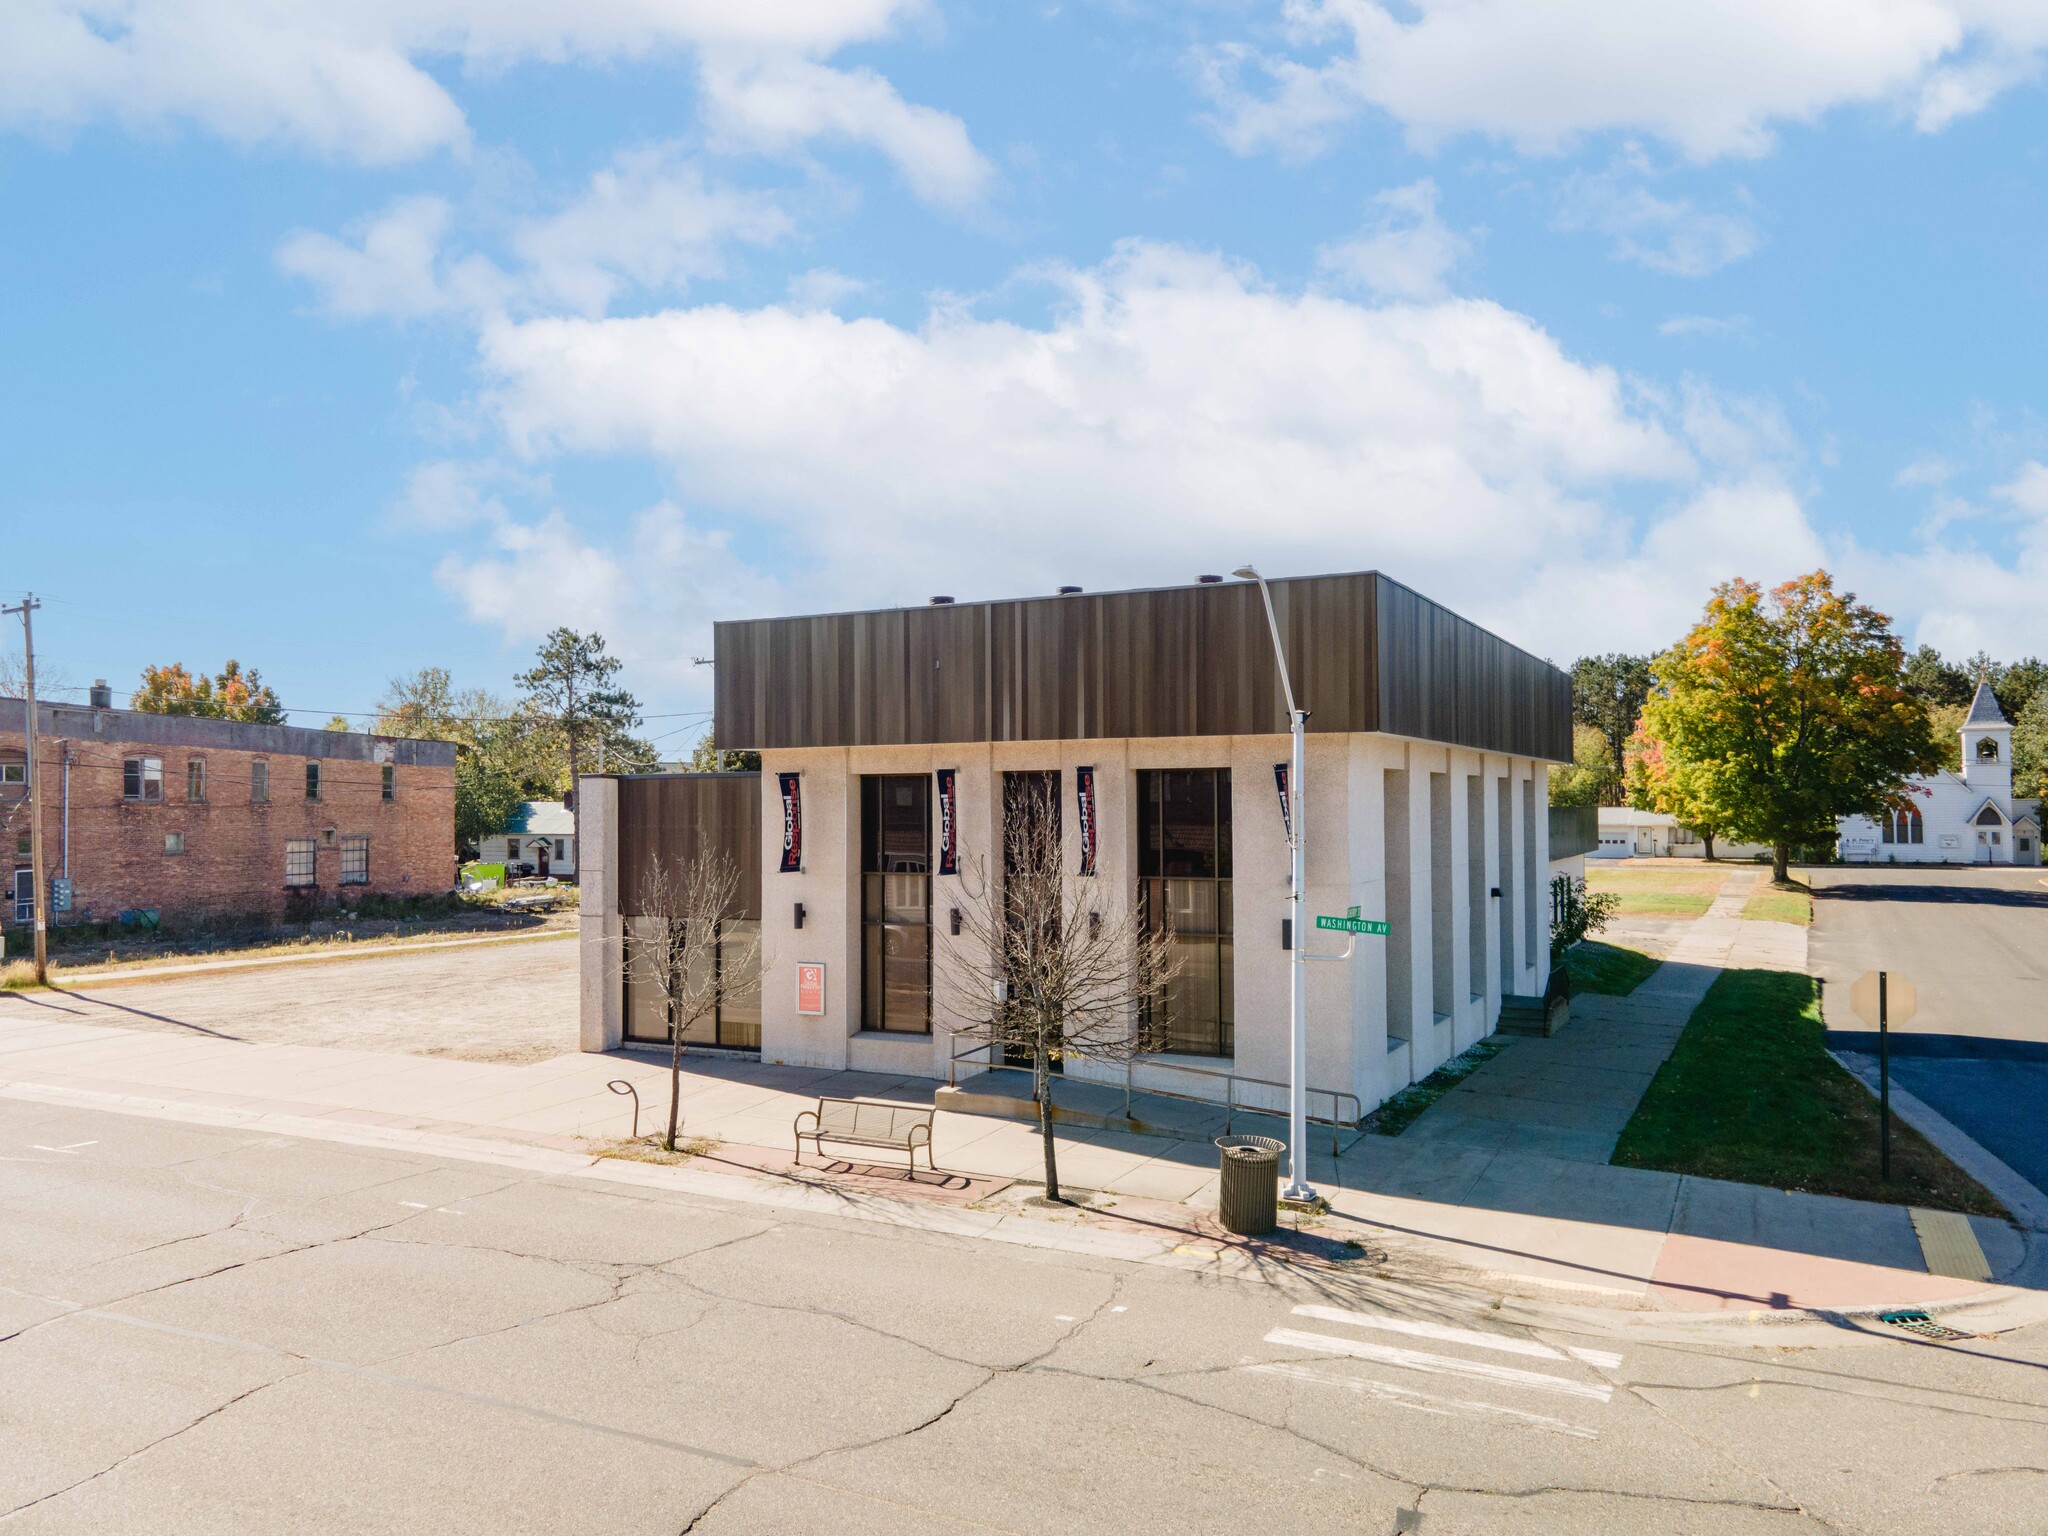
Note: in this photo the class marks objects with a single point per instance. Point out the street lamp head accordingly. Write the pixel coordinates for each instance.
(1245, 573)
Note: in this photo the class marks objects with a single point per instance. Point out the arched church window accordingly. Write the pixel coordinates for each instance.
(1915, 829)
(1989, 817)
(1987, 750)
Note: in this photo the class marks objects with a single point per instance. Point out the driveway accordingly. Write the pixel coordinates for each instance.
(1975, 944)
(504, 1001)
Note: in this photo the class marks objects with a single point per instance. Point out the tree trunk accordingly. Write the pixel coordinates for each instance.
(675, 1076)
(1708, 839)
(1781, 863)
(1041, 1073)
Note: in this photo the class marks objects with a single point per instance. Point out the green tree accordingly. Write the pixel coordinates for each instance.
(1591, 778)
(705, 759)
(1945, 724)
(1685, 791)
(487, 792)
(1933, 681)
(1782, 711)
(572, 693)
(2030, 748)
(2019, 685)
(230, 694)
(1607, 694)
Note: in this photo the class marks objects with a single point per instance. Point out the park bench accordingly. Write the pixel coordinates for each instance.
(867, 1123)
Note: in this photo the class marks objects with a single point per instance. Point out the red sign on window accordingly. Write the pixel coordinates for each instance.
(810, 987)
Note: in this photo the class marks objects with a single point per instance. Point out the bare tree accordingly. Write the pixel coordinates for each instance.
(673, 948)
(1043, 970)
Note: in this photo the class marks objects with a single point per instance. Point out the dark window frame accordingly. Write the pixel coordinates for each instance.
(390, 782)
(314, 777)
(896, 846)
(355, 860)
(295, 875)
(1180, 879)
(735, 1025)
(195, 781)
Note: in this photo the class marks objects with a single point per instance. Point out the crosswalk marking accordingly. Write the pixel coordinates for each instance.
(1424, 1402)
(1440, 1365)
(1501, 1343)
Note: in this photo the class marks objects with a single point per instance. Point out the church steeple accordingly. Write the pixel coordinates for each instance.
(1987, 745)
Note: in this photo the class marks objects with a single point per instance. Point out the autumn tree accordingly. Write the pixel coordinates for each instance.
(686, 907)
(1042, 971)
(1686, 791)
(1607, 694)
(1785, 710)
(230, 694)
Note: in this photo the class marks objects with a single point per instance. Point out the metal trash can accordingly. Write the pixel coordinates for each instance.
(1249, 1199)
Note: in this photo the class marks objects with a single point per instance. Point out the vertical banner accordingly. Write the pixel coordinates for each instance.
(949, 820)
(1286, 807)
(1084, 792)
(792, 823)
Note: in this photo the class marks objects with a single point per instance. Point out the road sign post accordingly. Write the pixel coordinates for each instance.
(1877, 997)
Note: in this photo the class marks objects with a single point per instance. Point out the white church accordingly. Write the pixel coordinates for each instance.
(1957, 818)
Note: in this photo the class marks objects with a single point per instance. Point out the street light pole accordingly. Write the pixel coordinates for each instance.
(1297, 950)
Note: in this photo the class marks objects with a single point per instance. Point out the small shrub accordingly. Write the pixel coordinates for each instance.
(17, 975)
(1575, 914)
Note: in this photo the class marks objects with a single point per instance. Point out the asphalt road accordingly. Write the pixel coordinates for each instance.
(1975, 944)
(206, 1330)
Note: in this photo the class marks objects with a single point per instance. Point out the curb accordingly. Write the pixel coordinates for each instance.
(79, 981)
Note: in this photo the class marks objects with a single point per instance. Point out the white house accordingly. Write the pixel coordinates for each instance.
(540, 836)
(1627, 833)
(1957, 818)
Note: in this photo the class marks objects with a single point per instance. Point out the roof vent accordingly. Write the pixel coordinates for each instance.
(1068, 591)
(941, 602)
(101, 695)
(1209, 581)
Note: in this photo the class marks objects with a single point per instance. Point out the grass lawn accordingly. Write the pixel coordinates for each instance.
(1751, 1095)
(1402, 1110)
(1606, 968)
(1658, 888)
(1775, 904)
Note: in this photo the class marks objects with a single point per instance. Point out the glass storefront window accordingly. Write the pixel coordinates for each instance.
(1184, 885)
(896, 902)
(735, 1024)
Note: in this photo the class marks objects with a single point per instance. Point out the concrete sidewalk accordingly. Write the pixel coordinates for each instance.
(1504, 1182)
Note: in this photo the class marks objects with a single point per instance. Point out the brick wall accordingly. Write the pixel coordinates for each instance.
(233, 861)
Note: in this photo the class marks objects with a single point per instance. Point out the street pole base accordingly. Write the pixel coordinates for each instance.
(1301, 1193)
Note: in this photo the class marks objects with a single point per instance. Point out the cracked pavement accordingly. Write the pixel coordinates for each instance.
(203, 1329)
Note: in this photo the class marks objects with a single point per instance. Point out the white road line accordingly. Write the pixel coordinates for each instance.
(1424, 1402)
(67, 1151)
(1444, 1334)
(1440, 1365)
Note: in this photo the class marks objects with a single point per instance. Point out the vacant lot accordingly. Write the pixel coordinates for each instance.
(510, 1001)
(1660, 887)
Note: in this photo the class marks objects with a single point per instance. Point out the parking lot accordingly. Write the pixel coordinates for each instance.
(507, 1001)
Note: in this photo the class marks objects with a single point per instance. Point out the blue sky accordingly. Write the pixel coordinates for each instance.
(349, 342)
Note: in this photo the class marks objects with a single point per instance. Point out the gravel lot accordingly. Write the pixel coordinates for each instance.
(510, 1001)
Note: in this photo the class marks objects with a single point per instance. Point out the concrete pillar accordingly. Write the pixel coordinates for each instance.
(601, 958)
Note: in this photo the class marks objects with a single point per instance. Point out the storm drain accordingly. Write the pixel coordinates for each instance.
(1918, 1322)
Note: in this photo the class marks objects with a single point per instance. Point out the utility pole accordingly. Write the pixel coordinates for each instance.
(25, 608)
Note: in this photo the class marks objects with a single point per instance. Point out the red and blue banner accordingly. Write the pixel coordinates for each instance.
(949, 820)
(1084, 792)
(792, 823)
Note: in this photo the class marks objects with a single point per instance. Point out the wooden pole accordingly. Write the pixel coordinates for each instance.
(26, 608)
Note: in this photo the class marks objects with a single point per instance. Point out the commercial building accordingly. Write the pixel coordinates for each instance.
(890, 742)
(1969, 817)
(187, 816)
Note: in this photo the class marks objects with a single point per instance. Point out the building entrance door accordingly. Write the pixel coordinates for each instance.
(540, 855)
(24, 897)
(1031, 812)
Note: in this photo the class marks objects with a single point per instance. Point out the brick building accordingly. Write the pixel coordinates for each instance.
(198, 817)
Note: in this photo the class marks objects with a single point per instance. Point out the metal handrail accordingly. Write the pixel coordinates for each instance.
(1335, 1120)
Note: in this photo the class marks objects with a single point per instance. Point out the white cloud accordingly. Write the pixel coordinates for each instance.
(1713, 77)
(1405, 252)
(350, 78)
(1705, 325)
(1667, 235)
(649, 221)
(823, 288)
(778, 104)
(1175, 413)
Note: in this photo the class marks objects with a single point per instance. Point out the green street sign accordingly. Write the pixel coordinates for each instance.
(1353, 924)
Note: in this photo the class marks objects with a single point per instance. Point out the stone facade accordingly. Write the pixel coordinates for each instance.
(193, 817)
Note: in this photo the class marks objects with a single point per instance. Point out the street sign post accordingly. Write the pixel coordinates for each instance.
(1878, 997)
(1353, 925)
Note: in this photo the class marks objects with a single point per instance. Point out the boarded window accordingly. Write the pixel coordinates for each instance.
(355, 861)
(195, 778)
(174, 842)
(142, 778)
(299, 855)
(259, 782)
